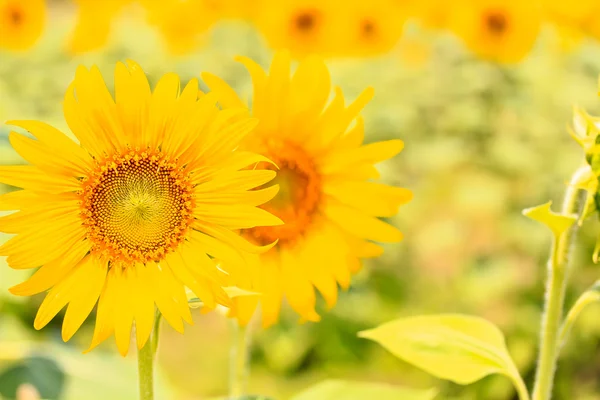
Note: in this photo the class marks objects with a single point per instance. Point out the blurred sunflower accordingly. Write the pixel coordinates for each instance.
(232, 9)
(128, 217)
(372, 27)
(21, 23)
(302, 26)
(432, 14)
(571, 13)
(498, 30)
(591, 24)
(570, 19)
(329, 206)
(181, 22)
(93, 24)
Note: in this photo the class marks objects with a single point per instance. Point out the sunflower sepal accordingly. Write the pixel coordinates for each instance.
(557, 223)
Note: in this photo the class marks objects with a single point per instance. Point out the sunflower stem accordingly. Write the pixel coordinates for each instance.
(146, 364)
(558, 272)
(156, 332)
(239, 360)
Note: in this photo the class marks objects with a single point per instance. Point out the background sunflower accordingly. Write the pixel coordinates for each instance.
(483, 140)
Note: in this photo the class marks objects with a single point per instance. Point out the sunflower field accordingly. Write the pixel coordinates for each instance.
(299, 200)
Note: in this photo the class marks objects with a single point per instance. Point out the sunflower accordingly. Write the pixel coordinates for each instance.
(571, 20)
(432, 14)
(373, 27)
(94, 23)
(134, 213)
(21, 23)
(181, 22)
(571, 13)
(498, 30)
(232, 9)
(302, 26)
(327, 200)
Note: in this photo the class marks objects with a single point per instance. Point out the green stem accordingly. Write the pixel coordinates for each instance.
(146, 361)
(156, 332)
(239, 363)
(558, 271)
(520, 386)
(146, 371)
(590, 296)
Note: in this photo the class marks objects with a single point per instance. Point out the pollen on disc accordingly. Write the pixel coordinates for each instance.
(137, 208)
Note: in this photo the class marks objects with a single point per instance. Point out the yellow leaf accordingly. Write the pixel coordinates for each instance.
(458, 348)
(348, 390)
(557, 223)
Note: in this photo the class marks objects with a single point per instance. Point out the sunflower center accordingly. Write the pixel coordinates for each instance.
(137, 208)
(368, 29)
(15, 16)
(496, 22)
(298, 197)
(306, 21)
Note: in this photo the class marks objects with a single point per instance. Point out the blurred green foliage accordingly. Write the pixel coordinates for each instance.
(482, 143)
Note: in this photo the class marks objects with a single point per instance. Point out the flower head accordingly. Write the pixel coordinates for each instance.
(132, 214)
(181, 22)
(372, 27)
(94, 23)
(303, 26)
(21, 23)
(331, 28)
(328, 200)
(498, 30)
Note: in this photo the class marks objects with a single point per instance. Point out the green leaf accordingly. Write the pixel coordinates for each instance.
(347, 390)
(458, 348)
(43, 373)
(557, 223)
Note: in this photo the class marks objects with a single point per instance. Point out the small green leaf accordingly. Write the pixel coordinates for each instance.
(43, 373)
(557, 223)
(458, 348)
(347, 390)
(590, 296)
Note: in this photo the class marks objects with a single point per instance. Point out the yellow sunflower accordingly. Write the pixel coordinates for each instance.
(302, 26)
(128, 217)
(181, 22)
(433, 14)
(93, 24)
(21, 23)
(328, 198)
(498, 30)
(372, 27)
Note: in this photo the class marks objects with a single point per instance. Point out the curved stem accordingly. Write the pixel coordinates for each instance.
(520, 386)
(590, 296)
(239, 363)
(146, 371)
(558, 271)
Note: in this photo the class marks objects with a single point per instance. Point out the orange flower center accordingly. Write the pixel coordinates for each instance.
(306, 21)
(496, 22)
(136, 207)
(368, 29)
(13, 15)
(298, 197)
